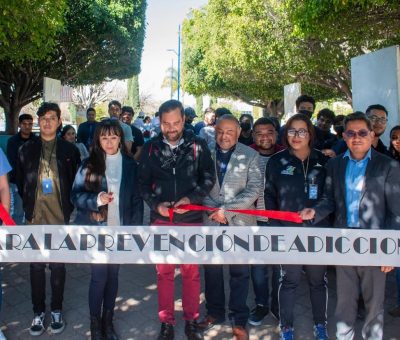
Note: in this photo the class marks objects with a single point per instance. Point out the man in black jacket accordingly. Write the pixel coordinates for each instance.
(86, 129)
(362, 190)
(176, 168)
(45, 172)
(25, 124)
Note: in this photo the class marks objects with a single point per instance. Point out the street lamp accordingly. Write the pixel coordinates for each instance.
(178, 54)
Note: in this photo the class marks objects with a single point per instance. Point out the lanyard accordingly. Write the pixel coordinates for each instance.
(305, 172)
(47, 168)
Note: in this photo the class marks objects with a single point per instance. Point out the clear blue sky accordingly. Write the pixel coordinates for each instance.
(163, 18)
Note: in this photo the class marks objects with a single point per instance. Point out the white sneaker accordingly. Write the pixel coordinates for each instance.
(2, 336)
(37, 327)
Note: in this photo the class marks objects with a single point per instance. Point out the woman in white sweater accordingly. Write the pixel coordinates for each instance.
(99, 199)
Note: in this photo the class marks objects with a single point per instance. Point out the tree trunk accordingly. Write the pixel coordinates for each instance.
(12, 119)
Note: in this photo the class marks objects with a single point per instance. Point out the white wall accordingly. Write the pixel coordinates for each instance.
(375, 80)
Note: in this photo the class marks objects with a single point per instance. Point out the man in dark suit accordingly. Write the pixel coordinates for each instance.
(362, 188)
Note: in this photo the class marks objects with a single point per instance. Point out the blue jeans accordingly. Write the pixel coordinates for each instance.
(260, 279)
(103, 288)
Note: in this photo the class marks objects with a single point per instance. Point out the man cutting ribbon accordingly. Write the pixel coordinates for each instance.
(238, 187)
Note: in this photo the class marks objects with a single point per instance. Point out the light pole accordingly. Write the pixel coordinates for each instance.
(178, 54)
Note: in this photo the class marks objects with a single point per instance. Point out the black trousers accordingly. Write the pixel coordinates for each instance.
(215, 292)
(38, 286)
(290, 279)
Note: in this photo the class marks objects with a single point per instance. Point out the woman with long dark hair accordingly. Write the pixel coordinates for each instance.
(105, 193)
(294, 180)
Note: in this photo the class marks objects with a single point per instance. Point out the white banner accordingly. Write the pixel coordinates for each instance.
(202, 245)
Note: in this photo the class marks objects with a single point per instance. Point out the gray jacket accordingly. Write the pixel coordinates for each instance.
(240, 188)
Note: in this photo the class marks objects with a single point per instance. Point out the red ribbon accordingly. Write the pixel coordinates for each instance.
(5, 216)
(274, 214)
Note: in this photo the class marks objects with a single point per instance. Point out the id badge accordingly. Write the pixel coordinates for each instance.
(47, 186)
(313, 191)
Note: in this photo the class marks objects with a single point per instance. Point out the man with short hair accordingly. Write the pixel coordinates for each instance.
(45, 172)
(25, 124)
(361, 190)
(114, 110)
(305, 104)
(127, 114)
(86, 129)
(264, 135)
(209, 120)
(208, 132)
(377, 114)
(246, 125)
(324, 138)
(238, 186)
(176, 168)
(190, 115)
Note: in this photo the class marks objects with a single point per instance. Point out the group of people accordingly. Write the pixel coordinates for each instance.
(275, 168)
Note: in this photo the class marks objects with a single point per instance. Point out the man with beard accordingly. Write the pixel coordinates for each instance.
(176, 168)
(264, 135)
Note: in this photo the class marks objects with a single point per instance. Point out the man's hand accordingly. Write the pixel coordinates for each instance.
(218, 216)
(163, 207)
(386, 269)
(183, 200)
(307, 214)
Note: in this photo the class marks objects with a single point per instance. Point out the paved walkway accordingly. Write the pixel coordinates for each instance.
(136, 311)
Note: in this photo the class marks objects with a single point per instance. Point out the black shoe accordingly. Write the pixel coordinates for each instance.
(37, 327)
(167, 332)
(192, 331)
(258, 314)
(57, 322)
(108, 327)
(95, 328)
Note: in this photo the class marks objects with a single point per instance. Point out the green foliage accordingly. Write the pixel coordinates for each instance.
(101, 40)
(250, 49)
(29, 28)
(133, 93)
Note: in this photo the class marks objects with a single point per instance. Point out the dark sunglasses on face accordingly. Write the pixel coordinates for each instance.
(361, 133)
(302, 133)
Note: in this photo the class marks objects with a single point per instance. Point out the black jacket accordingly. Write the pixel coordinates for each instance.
(13, 145)
(379, 205)
(27, 171)
(130, 202)
(168, 176)
(285, 184)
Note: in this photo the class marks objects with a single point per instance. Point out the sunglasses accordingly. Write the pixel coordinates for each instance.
(352, 134)
(302, 133)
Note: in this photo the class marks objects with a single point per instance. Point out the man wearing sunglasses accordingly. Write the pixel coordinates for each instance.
(361, 189)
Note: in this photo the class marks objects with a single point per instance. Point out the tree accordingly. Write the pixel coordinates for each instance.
(101, 40)
(171, 80)
(85, 96)
(29, 28)
(133, 93)
(250, 49)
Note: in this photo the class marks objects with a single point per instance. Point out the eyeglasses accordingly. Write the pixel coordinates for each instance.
(376, 119)
(302, 133)
(361, 133)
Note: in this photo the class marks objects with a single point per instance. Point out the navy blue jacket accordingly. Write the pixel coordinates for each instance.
(130, 202)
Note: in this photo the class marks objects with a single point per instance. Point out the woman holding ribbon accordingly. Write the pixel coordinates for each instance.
(105, 193)
(294, 180)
